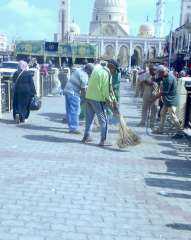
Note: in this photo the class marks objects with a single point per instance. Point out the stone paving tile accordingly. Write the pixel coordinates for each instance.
(53, 187)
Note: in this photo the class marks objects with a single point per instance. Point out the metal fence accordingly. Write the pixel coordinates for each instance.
(46, 83)
(6, 88)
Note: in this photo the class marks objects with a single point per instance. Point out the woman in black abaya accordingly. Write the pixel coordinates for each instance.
(24, 91)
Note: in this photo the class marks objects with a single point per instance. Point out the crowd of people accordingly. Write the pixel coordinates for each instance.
(157, 85)
(96, 88)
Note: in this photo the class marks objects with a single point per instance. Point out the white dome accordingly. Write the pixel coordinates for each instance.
(110, 7)
(109, 12)
(111, 4)
(146, 30)
(74, 29)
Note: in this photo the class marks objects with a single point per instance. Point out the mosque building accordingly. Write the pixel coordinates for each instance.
(109, 29)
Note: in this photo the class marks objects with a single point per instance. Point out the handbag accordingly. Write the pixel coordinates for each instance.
(35, 103)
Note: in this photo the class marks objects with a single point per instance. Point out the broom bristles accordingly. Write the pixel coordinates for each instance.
(126, 136)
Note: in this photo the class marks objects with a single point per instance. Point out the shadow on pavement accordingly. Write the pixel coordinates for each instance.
(175, 168)
(167, 145)
(43, 128)
(179, 226)
(172, 153)
(177, 195)
(110, 148)
(155, 159)
(53, 117)
(169, 183)
(7, 121)
(178, 151)
(48, 138)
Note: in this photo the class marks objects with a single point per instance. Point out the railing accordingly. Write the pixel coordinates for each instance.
(44, 86)
(46, 83)
(6, 88)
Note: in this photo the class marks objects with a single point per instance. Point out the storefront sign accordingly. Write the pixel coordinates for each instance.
(29, 47)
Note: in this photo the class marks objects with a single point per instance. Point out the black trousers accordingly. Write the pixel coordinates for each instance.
(21, 105)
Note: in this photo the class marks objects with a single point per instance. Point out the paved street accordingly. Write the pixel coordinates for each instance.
(55, 188)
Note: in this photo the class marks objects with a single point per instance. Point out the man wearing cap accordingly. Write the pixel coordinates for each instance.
(150, 90)
(116, 77)
(170, 99)
(74, 90)
(99, 93)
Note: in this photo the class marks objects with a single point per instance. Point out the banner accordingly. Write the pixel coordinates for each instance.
(54, 49)
(85, 51)
(65, 50)
(51, 46)
(29, 47)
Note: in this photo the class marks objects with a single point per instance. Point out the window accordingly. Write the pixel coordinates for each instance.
(188, 18)
(109, 17)
(96, 17)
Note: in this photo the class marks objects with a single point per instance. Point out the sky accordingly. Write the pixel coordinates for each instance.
(38, 19)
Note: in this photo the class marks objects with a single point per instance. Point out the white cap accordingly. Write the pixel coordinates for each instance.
(162, 68)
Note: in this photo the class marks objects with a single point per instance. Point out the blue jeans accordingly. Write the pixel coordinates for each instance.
(72, 111)
(96, 108)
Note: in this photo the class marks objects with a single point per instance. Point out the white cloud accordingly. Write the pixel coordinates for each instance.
(23, 8)
(27, 20)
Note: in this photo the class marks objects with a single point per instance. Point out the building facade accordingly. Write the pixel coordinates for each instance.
(3, 43)
(185, 12)
(109, 30)
(178, 44)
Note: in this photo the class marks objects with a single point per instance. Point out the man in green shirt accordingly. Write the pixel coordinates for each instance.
(99, 93)
(116, 78)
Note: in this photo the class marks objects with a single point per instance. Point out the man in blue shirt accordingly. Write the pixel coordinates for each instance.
(74, 90)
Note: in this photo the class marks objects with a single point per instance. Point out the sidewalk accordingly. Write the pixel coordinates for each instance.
(55, 188)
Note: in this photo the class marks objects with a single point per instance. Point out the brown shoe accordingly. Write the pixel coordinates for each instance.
(87, 140)
(103, 143)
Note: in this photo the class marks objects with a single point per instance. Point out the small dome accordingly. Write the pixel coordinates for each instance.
(146, 30)
(74, 29)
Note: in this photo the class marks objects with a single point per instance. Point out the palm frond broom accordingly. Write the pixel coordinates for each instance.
(126, 136)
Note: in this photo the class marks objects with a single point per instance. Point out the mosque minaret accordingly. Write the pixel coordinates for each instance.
(159, 21)
(64, 19)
